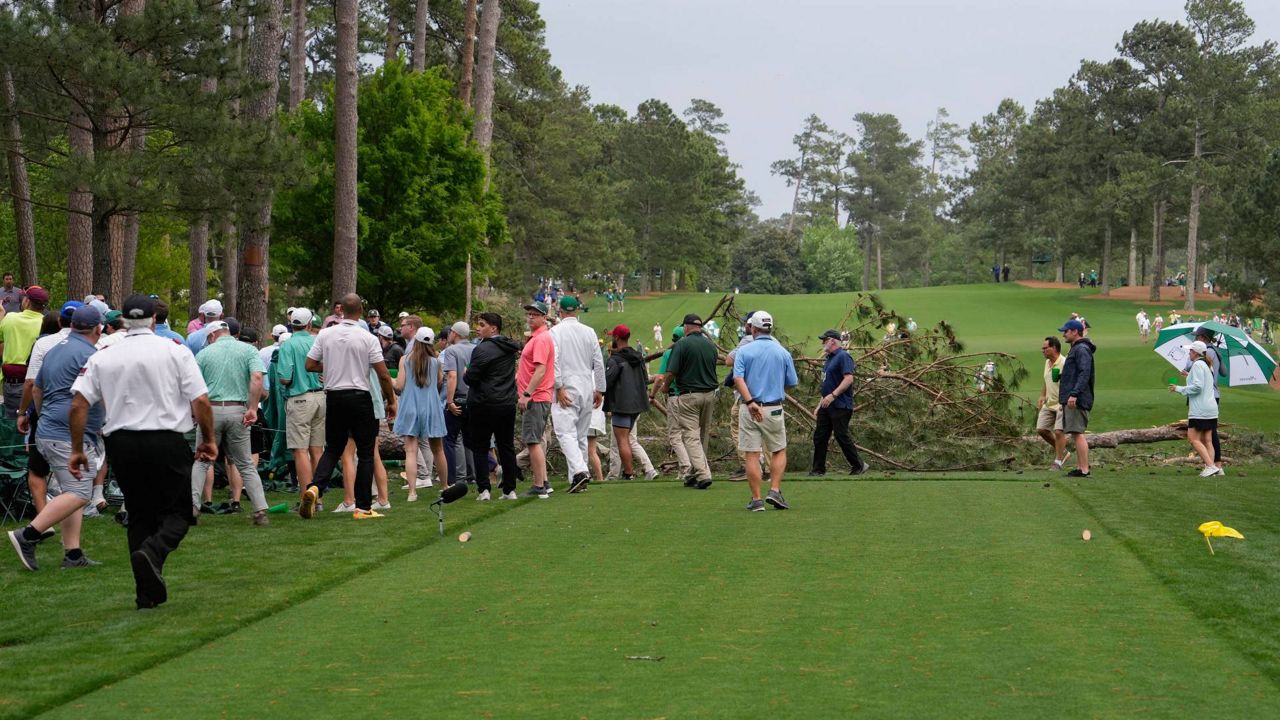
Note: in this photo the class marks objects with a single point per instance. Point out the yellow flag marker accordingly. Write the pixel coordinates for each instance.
(1213, 528)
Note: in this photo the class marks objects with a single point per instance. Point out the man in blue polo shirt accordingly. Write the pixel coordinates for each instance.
(836, 407)
(762, 372)
(52, 392)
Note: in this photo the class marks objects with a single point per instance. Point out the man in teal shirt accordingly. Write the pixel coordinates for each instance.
(233, 372)
(305, 406)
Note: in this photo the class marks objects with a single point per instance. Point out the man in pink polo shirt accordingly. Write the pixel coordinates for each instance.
(535, 378)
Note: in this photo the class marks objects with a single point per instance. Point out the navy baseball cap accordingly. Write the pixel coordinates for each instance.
(86, 317)
(69, 309)
(1072, 325)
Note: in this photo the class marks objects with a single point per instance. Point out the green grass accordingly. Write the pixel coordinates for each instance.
(1008, 318)
(959, 595)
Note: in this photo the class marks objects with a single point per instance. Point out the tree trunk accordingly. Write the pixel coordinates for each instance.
(105, 256)
(1133, 256)
(866, 261)
(1061, 274)
(392, 53)
(795, 197)
(80, 215)
(255, 246)
(484, 69)
(1193, 230)
(231, 273)
(470, 293)
(468, 56)
(198, 240)
(1157, 251)
(346, 203)
(879, 264)
(19, 183)
(1105, 277)
(298, 55)
(420, 35)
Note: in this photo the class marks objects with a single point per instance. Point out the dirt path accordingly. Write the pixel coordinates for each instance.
(1130, 293)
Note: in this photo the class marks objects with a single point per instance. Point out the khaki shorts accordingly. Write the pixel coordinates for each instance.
(304, 421)
(533, 423)
(58, 453)
(1074, 420)
(768, 435)
(1049, 419)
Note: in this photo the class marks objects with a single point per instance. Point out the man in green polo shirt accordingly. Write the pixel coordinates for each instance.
(305, 406)
(692, 367)
(18, 333)
(673, 405)
(233, 372)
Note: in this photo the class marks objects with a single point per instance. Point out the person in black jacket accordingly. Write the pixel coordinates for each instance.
(626, 392)
(1075, 392)
(491, 400)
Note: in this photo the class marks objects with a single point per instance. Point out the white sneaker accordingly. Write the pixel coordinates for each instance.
(1208, 471)
(509, 496)
(422, 484)
(344, 508)
(483, 496)
(651, 475)
(1220, 471)
(381, 505)
(412, 498)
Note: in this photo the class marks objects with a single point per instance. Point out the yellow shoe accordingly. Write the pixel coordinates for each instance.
(308, 505)
(366, 514)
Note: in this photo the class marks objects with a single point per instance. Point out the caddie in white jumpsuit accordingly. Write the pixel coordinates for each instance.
(579, 383)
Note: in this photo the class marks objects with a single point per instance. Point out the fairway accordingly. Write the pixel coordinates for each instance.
(1009, 318)
(885, 598)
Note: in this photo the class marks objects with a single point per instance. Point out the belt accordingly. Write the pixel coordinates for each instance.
(227, 403)
(307, 392)
(771, 403)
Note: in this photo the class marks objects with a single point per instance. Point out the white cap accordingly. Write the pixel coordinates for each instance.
(424, 334)
(301, 317)
(1197, 347)
(386, 331)
(215, 326)
(279, 330)
(403, 314)
(290, 310)
(461, 329)
(283, 337)
(762, 320)
(210, 308)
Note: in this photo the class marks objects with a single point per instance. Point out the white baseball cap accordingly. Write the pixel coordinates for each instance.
(279, 330)
(1197, 347)
(761, 319)
(386, 331)
(215, 326)
(424, 334)
(301, 317)
(211, 308)
(461, 329)
(403, 314)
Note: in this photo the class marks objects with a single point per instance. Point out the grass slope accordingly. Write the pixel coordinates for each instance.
(886, 598)
(999, 318)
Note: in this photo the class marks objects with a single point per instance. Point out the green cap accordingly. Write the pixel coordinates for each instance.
(112, 316)
(538, 307)
(569, 302)
(678, 332)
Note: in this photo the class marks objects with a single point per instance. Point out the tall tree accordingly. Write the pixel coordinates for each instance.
(260, 110)
(468, 53)
(297, 54)
(944, 143)
(346, 200)
(420, 13)
(19, 183)
(888, 181)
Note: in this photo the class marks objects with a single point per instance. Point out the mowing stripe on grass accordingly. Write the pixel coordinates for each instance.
(886, 598)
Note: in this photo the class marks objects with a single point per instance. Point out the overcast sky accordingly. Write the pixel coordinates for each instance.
(770, 63)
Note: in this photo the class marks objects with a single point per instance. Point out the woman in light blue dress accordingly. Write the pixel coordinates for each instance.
(421, 409)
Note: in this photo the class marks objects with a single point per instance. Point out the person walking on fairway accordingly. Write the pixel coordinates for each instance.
(1202, 409)
(579, 388)
(153, 394)
(835, 410)
(692, 367)
(762, 372)
(1213, 358)
(535, 377)
(344, 353)
(491, 403)
(1075, 392)
(1049, 419)
(672, 401)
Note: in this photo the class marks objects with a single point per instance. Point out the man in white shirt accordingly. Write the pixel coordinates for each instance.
(579, 386)
(344, 353)
(154, 394)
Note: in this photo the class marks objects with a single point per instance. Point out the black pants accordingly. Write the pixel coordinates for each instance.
(1217, 444)
(349, 414)
(497, 422)
(833, 419)
(455, 428)
(153, 468)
